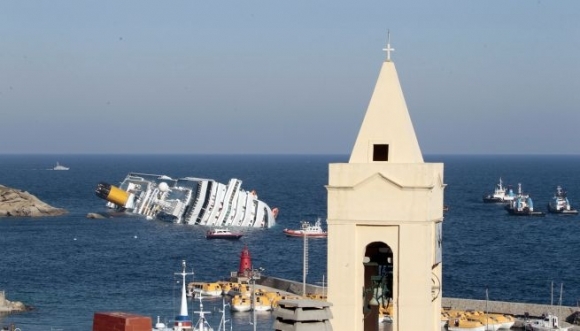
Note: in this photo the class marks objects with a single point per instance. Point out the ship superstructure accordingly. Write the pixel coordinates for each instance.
(188, 200)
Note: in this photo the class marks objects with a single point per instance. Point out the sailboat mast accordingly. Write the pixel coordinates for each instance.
(552, 294)
(561, 290)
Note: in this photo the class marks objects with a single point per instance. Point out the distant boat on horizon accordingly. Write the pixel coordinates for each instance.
(59, 166)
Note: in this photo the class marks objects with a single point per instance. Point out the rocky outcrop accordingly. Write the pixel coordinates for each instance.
(7, 306)
(18, 203)
(95, 216)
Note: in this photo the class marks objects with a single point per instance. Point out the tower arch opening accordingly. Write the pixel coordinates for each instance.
(378, 283)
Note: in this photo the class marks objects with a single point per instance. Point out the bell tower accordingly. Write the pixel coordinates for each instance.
(385, 211)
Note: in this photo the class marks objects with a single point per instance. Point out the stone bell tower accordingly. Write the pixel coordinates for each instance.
(385, 211)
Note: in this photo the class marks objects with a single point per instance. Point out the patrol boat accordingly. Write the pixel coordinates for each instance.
(188, 200)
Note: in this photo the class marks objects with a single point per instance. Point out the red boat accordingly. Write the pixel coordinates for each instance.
(220, 233)
(307, 230)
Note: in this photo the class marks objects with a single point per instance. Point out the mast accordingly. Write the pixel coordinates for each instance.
(304, 264)
(183, 310)
(182, 321)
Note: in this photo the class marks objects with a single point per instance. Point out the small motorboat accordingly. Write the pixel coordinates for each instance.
(548, 322)
(464, 324)
(308, 230)
(491, 322)
(212, 289)
(456, 320)
(222, 233)
(559, 204)
(507, 321)
(241, 303)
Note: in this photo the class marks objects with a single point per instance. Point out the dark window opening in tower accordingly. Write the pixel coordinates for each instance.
(381, 152)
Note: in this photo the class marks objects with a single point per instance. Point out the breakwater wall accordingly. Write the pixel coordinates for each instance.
(290, 286)
(564, 313)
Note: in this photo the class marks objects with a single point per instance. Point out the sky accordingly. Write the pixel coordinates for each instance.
(285, 77)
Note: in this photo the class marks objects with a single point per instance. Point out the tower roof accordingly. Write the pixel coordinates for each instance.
(387, 133)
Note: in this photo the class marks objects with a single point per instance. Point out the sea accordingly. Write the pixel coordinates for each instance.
(69, 267)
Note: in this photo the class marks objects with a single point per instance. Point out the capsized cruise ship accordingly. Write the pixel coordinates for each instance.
(189, 200)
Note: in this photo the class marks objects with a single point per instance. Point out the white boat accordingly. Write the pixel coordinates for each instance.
(212, 289)
(188, 200)
(501, 194)
(464, 324)
(559, 204)
(308, 230)
(548, 322)
(223, 233)
(241, 303)
(59, 166)
(491, 323)
(507, 321)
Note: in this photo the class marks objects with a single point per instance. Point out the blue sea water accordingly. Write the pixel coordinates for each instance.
(70, 267)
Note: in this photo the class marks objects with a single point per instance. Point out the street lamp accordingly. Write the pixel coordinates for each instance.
(254, 274)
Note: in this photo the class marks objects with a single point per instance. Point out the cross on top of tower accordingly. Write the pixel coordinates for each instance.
(388, 49)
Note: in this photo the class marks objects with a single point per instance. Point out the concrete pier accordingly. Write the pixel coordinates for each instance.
(511, 308)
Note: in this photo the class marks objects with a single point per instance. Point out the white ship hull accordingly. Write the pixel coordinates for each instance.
(189, 200)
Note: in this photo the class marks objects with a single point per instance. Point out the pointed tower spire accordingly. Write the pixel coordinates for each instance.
(385, 216)
(387, 133)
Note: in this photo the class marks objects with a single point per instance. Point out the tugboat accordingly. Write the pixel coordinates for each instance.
(500, 195)
(522, 205)
(560, 203)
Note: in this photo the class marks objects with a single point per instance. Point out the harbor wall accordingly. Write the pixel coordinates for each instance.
(290, 286)
(517, 309)
(512, 308)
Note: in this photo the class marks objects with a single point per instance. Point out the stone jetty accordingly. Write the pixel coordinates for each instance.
(18, 203)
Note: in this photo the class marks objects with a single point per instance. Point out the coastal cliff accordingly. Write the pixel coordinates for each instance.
(18, 203)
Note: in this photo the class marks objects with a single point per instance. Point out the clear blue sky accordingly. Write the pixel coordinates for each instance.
(479, 77)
